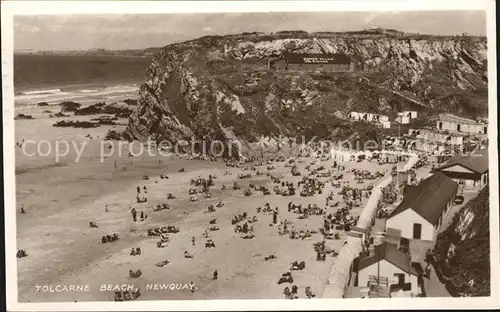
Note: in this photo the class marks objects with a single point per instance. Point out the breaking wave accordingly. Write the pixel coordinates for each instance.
(36, 92)
(76, 94)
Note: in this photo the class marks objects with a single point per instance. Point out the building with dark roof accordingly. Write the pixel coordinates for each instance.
(424, 207)
(313, 62)
(387, 266)
(468, 171)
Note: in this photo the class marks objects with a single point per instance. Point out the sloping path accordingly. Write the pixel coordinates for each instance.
(340, 272)
(397, 93)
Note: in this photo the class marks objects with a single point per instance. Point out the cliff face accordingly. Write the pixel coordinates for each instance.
(220, 87)
(462, 252)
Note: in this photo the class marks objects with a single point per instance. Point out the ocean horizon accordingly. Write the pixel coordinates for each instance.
(83, 79)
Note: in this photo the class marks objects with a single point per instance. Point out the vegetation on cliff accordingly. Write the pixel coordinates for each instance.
(205, 87)
(462, 252)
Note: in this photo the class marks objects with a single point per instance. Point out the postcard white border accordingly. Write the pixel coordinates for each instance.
(11, 8)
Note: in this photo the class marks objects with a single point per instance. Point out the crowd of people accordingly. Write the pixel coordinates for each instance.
(312, 181)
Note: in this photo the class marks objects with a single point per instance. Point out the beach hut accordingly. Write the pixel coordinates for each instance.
(391, 264)
(369, 155)
(424, 207)
(385, 124)
(341, 155)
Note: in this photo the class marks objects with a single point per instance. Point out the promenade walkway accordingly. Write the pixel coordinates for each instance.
(339, 275)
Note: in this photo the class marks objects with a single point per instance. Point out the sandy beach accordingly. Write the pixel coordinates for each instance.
(61, 199)
(197, 156)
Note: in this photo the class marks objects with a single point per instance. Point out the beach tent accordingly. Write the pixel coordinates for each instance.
(341, 155)
(337, 155)
(368, 154)
(360, 155)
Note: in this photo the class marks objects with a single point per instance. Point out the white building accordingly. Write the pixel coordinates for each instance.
(369, 117)
(385, 124)
(431, 147)
(339, 154)
(405, 117)
(413, 114)
(409, 114)
(383, 118)
(390, 265)
(420, 215)
(459, 124)
(404, 120)
(468, 171)
(354, 116)
(432, 136)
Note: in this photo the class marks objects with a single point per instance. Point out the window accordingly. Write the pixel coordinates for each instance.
(400, 278)
(417, 230)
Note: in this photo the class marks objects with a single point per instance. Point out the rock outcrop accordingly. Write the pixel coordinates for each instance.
(93, 109)
(119, 109)
(219, 87)
(69, 106)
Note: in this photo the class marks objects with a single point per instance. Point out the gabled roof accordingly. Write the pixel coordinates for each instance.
(318, 58)
(477, 162)
(393, 236)
(391, 254)
(457, 119)
(429, 198)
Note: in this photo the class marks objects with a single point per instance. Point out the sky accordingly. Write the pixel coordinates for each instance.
(127, 31)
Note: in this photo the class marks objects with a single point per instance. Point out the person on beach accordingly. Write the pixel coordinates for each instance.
(193, 240)
(216, 275)
(275, 217)
(428, 256)
(138, 189)
(134, 214)
(427, 271)
(22, 209)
